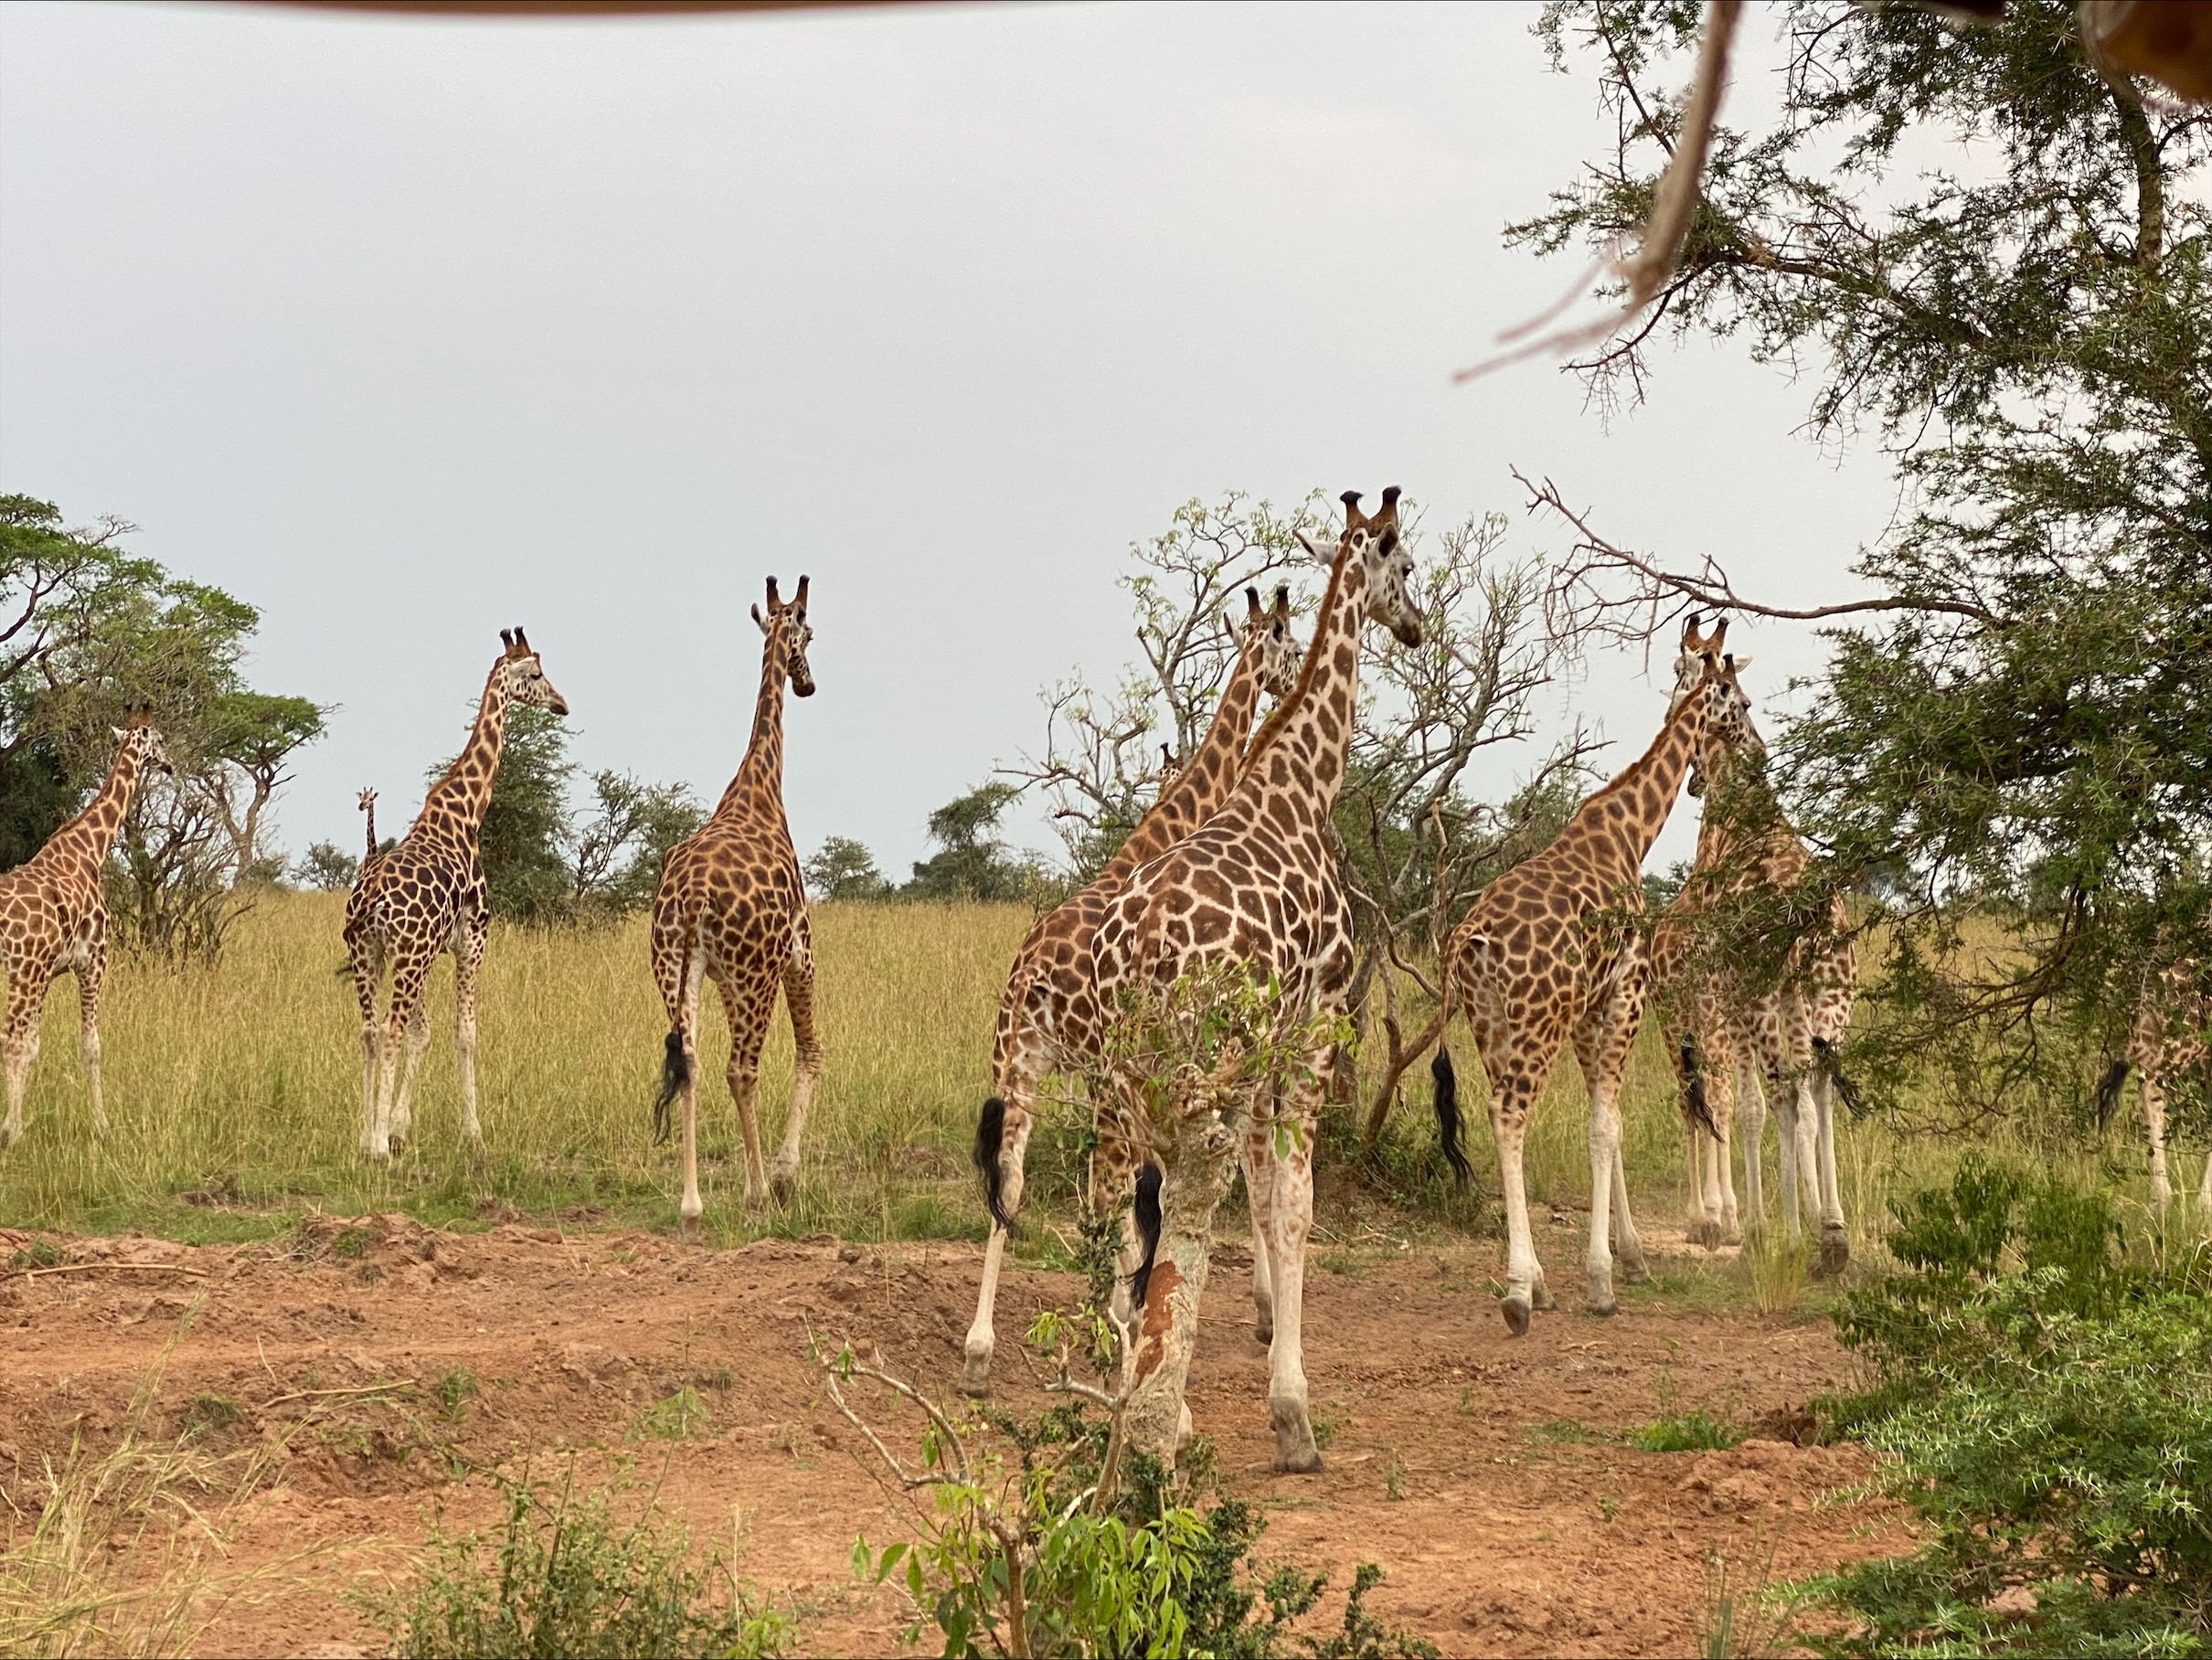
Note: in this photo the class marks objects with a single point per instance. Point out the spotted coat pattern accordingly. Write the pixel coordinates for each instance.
(1259, 885)
(2169, 1033)
(54, 920)
(1048, 1020)
(1550, 952)
(1780, 1038)
(731, 908)
(426, 895)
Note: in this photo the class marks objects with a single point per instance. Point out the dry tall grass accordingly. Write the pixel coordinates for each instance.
(235, 1093)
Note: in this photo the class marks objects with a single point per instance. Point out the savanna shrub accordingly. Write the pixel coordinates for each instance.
(2050, 1424)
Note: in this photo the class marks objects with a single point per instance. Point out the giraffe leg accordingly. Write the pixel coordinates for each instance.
(799, 1000)
(747, 1006)
(1522, 1272)
(1835, 1238)
(468, 957)
(1800, 1124)
(1717, 1156)
(1260, 1196)
(1290, 1169)
(19, 1044)
(1751, 1137)
(1014, 1146)
(1602, 1046)
(89, 977)
(2204, 1187)
(1628, 1245)
(369, 975)
(408, 972)
(2154, 1120)
(418, 1045)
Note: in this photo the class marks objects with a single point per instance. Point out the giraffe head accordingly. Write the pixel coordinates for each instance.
(526, 675)
(1383, 564)
(1267, 631)
(367, 801)
(139, 738)
(788, 635)
(1727, 718)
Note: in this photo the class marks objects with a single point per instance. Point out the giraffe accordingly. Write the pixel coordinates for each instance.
(2167, 1036)
(731, 908)
(426, 896)
(1783, 1037)
(54, 920)
(1259, 885)
(371, 852)
(1046, 1022)
(1537, 960)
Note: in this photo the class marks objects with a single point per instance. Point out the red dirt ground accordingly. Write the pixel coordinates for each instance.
(1499, 1535)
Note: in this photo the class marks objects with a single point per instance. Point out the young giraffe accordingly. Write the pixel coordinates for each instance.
(2169, 1035)
(1532, 964)
(1785, 1037)
(54, 920)
(1259, 885)
(1045, 1020)
(731, 907)
(426, 896)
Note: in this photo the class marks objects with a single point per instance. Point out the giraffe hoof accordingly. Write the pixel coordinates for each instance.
(1516, 1310)
(1542, 1300)
(1295, 1453)
(1835, 1254)
(1604, 1308)
(976, 1378)
(783, 1187)
(1263, 1328)
(1638, 1272)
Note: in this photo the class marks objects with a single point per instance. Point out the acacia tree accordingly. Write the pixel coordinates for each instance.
(2014, 727)
(1415, 844)
(1107, 753)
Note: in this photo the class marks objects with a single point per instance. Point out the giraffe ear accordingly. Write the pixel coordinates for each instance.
(1306, 542)
(120, 733)
(757, 622)
(1738, 665)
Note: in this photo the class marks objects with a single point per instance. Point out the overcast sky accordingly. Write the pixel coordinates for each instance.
(407, 330)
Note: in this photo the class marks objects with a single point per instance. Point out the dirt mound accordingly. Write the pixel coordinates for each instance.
(385, 1360)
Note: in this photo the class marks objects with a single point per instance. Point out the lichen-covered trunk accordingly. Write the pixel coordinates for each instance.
(1195, 1176)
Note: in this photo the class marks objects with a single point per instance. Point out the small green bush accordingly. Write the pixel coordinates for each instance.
(1695, 1430)
(2050, 1424)
(561, 1578)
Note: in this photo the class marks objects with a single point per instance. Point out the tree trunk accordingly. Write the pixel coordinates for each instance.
(1196, 1173)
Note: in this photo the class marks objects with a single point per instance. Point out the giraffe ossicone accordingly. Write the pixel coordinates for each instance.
(54, 920)
(426, 896)
(731, 908)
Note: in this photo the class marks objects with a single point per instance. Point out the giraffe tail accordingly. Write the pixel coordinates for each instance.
(1853, 1102)
(990, 1139)
(2107, 1090)
(675, 1073)
(1148, 1232)
(1447, 1114)
(1696, 1107)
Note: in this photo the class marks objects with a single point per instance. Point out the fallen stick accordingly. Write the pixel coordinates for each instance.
(366, 1389)
(111, 1268)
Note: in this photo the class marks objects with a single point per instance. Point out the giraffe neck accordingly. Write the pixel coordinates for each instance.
(1313, 728)
(91, 834)
(371, 811)
(760, 774)
(457, 802)
(1617, 841)
(1190, 799)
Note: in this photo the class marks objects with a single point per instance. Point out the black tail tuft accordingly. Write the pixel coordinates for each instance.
(2107, 1090)
(990, 1136)
(1694, 1104)
(1447, 1114)
(675, 1073)
(1147, 1212)
(1830, 1064)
